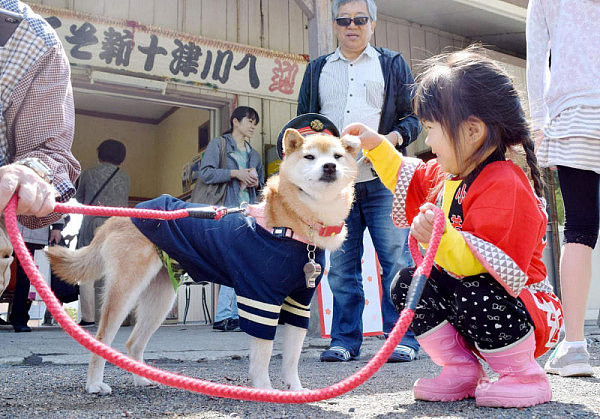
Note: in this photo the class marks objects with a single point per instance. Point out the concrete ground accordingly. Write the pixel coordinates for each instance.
(42, 374)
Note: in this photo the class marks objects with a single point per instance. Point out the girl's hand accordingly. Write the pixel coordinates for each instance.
(369, 139)
(422, 225)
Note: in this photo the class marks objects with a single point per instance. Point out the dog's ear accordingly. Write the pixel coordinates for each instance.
(292, 140)
(351, 143)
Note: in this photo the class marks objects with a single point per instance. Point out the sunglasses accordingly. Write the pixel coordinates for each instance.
(346, 21)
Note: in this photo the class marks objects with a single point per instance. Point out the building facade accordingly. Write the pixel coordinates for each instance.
(162, 76)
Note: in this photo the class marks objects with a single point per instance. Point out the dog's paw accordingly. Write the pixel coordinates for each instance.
(295, 387)
(141, 381)
(263, 386)
(98, 388)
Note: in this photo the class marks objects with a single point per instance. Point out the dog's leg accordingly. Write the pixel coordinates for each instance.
(152, 308)
(260, 356)
(293, 339)
(124, 283)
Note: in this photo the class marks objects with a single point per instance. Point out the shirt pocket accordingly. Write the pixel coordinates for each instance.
(374, 93)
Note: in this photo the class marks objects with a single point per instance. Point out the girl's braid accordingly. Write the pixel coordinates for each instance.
(538, 183)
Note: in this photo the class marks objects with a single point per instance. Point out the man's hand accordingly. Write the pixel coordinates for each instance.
(36, 196)
(422, 225)
(369, 139)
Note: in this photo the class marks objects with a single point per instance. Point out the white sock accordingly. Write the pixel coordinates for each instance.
(564, 346)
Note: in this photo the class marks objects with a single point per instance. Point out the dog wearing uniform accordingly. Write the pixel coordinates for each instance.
(271, 255)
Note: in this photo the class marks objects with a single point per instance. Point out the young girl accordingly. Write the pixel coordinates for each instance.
(488, 294)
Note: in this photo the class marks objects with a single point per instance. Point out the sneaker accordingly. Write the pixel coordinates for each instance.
(20, 328)
(233, 325)
(572, 362)
(337, 354)
(83, 323)
(220, 325)
(403, 354)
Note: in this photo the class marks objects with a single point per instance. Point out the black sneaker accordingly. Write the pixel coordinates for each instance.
(83, 323)
(20, 328)
(220, 325)
(233, 325)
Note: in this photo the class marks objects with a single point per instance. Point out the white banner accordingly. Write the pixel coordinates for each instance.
(372, 319)
(43, 264)
(102, 42)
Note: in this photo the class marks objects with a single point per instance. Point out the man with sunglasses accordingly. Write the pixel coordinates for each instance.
(360, 83)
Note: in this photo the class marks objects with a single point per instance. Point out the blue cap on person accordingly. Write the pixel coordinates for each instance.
(307, 124)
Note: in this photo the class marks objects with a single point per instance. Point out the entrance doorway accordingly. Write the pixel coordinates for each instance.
(162, 135)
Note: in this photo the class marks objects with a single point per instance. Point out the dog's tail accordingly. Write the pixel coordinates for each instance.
(73, 266)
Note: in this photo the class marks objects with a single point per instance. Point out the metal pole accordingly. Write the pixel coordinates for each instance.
(320, 41)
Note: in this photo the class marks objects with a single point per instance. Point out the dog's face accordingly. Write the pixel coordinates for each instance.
(319, 164)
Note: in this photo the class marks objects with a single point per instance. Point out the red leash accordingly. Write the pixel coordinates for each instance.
(201, 386)
(207, 212)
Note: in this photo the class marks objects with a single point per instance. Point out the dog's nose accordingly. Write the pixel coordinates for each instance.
(329, 168)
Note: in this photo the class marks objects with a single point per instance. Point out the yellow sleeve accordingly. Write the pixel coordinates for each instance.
(454, 254)
(386, 161)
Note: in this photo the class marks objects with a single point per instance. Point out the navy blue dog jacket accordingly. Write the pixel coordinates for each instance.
(266, 271)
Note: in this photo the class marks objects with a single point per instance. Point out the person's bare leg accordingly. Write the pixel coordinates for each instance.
(575, 278)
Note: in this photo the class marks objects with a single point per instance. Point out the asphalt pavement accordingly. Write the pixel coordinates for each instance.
(42, 374)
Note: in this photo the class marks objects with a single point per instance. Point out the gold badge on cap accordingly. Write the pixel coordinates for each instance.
(316, 125)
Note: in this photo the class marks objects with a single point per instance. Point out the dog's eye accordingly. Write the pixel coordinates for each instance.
(337, 156)
(309, 157)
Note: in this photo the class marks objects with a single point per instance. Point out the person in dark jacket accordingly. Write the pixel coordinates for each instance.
(360, 83)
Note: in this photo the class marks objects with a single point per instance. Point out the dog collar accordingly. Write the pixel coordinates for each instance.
(258, 212)
(326, 231)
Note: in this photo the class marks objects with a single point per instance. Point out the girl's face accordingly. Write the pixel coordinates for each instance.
(472, 134)
(442, 147)
(245, 126)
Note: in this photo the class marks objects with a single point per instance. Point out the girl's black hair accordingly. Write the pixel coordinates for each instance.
(112, 151)
(463, 84)
(239, 113)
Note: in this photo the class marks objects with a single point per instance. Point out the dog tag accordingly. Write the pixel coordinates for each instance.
(311, 271)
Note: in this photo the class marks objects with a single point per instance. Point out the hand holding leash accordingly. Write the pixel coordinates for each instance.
(424, 263)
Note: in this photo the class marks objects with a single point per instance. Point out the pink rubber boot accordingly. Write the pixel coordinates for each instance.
(522, 381)
(461, 370)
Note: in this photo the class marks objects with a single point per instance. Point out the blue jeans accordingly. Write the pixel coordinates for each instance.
(226, 304)
(372, 208)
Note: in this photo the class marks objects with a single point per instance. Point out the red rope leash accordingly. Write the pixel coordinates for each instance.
(196, 212)
(180, 381)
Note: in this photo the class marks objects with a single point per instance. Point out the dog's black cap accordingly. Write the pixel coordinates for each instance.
(306, 124)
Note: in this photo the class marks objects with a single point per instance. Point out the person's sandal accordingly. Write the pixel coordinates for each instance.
(337, 354)
(402, 354)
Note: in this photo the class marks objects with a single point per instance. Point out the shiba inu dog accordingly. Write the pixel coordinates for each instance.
(262, 254)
